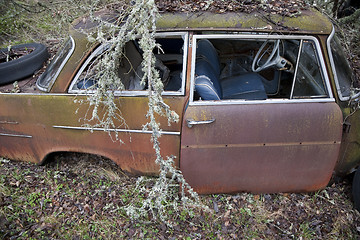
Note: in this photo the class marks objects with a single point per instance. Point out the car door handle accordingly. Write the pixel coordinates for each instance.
(191, 122)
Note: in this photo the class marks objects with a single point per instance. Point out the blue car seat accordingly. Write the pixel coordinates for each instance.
(207, 84)
(207, 78)
(205, 50)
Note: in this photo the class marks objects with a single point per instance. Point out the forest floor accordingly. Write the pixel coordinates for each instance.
(82, 197)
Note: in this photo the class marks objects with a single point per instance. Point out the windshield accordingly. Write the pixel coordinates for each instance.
(343, 74)
(47, 79)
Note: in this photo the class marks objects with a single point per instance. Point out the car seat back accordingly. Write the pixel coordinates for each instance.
(206, 50)
(207, 84)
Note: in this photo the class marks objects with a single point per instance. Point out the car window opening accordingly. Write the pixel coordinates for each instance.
(169, 63)
(257, 69)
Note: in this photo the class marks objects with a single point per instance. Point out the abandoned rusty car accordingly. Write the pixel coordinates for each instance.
(262, 108)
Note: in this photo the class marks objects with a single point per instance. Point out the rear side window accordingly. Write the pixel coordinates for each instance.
(170, 62)
(47, 79)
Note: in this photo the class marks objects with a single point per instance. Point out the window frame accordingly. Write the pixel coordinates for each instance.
(256, 36)
(60, 68)
(181, 92)
(301, 47)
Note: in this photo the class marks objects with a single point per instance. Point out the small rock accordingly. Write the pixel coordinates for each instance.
(216, 208)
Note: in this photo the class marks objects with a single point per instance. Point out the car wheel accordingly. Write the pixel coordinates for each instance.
(21, 61)
(356, 189)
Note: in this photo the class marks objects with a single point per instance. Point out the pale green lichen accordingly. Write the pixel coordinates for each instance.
(139, 21)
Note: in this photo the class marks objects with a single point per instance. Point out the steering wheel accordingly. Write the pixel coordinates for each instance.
(273, 59)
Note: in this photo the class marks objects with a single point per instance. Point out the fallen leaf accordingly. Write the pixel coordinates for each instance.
(86, 208)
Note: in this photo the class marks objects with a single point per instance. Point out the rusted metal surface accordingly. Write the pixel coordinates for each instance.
(82, 50)
(310, 21)
(261, 148)
(349, 156)
(32, 126)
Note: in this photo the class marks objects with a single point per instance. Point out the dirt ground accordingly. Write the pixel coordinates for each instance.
(82, 197)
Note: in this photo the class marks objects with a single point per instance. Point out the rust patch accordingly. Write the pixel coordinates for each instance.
(43, 118)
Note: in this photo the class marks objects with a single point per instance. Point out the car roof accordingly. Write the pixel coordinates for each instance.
(310, 21)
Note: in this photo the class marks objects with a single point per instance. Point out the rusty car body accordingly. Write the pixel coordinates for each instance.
(248, 122)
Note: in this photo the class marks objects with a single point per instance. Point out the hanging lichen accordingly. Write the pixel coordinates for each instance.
(137, 20)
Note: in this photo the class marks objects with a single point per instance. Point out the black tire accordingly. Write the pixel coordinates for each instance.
(356, 189)
(25, 65)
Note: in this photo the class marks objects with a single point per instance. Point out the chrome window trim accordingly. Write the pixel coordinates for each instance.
(51, 83)
(181, 92)
(139, 93)
(333, 69)
(267, 101)
(296, 69)
(237, 101)
(15, 135)
(99, 49)
(262, 36)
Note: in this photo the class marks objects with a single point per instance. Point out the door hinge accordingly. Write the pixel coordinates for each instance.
(346, 127)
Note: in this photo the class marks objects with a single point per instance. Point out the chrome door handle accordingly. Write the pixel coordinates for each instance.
(191, 122)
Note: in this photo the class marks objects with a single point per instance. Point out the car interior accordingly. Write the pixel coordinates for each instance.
(225, 68)
(169, 63)
(257, 69)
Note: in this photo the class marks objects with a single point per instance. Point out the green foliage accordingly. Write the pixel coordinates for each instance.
(347, 29)
(305, 231)
(40, 20)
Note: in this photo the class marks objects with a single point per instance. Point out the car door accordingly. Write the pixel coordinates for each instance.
(269, 145)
